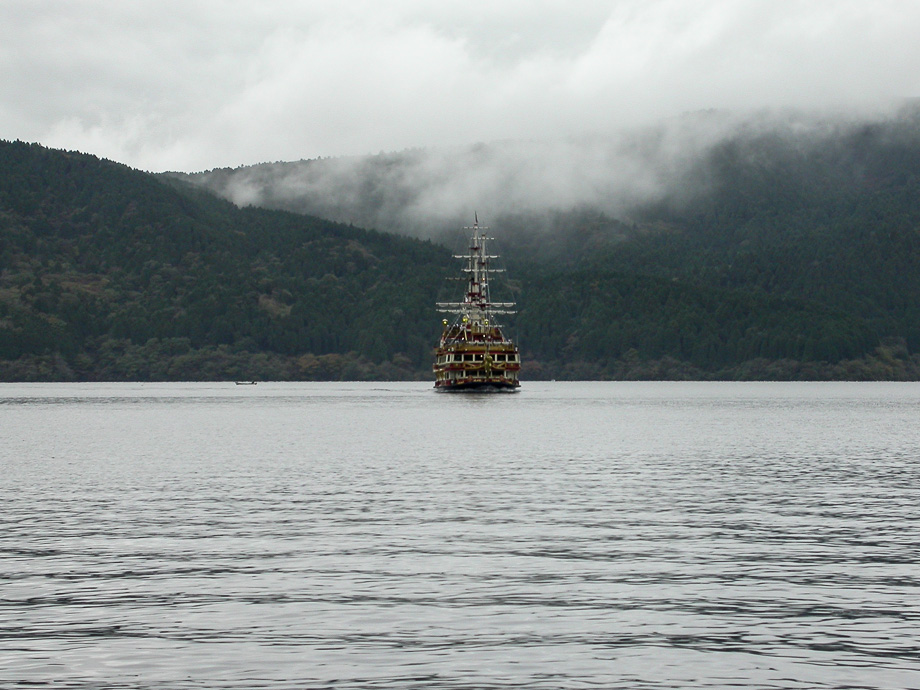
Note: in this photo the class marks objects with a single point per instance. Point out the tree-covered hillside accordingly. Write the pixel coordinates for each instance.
(833, 219)
(824, 220)
(108, 273)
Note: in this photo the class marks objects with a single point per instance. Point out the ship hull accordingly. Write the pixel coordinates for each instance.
(473, 386)
(476, 359)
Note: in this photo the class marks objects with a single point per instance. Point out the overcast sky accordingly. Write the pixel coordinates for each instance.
(196, 84)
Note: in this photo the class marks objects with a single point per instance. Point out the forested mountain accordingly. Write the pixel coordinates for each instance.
(108, 273)
(829, 218)
(833, 219)
(766, 256)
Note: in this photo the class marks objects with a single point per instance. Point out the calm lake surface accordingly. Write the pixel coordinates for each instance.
(574, 535)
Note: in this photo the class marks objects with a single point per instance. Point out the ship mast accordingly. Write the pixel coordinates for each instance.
(477, 309)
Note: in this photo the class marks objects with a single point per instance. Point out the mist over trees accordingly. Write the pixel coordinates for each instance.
(531, 188)
(712, 249)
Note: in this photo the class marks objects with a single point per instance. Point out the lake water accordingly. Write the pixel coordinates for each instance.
(574, 535)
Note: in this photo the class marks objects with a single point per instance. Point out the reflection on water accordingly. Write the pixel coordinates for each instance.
(655, 535)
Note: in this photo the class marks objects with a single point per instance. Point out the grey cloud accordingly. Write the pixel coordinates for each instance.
(189, 86)
(425, 191)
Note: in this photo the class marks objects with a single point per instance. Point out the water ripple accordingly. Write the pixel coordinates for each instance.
(357, 536)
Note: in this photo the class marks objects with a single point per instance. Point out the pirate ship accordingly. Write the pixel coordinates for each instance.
(473, 353)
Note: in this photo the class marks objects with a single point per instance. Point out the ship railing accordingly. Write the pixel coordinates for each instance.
(466, 305)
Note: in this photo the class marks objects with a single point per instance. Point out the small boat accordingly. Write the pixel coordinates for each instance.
(473, 353)
(246, 383)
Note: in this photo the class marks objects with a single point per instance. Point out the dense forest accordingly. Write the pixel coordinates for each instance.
(108, 273)
(792, 259)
